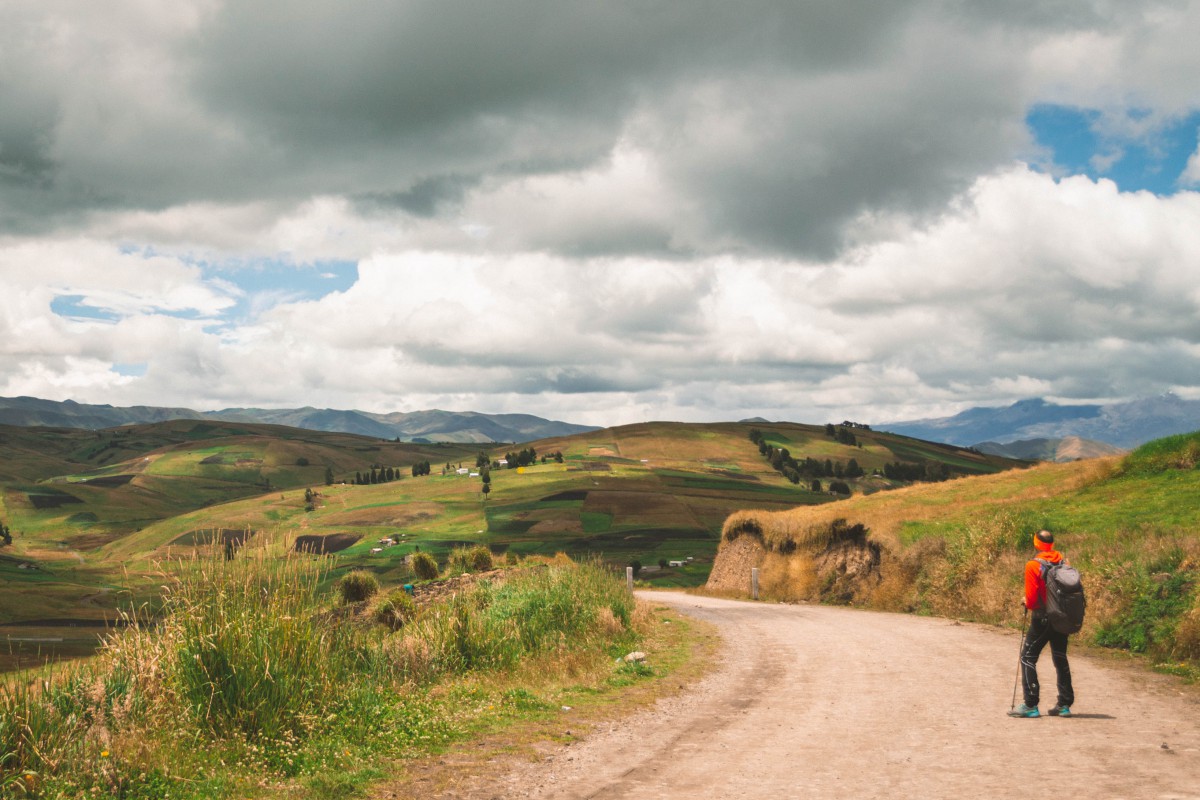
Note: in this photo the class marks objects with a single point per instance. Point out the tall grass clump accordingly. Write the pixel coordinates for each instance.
(252, 673)
(424, 566)
(248, 653)
(558, 607)
(394, 609)
(477, 558)
(357, 586)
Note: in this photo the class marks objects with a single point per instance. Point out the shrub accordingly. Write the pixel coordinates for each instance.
(552, 608)
(356, 586)
(246, 654)
(1157, 601)
(424, 566)
(470, 559)
(395, 609)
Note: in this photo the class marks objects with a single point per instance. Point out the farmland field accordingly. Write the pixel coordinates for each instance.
(97, 515)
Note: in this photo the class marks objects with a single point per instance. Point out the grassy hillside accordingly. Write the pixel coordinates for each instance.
(258, 681)
(1132, 526)
(94, 513)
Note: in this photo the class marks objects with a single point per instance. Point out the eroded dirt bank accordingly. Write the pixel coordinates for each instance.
(837, 703)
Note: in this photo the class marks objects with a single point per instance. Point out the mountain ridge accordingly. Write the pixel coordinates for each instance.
(1125, 424)
(432, 425)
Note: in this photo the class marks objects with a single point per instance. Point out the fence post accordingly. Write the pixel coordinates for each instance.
(754, 583)
(629, 579)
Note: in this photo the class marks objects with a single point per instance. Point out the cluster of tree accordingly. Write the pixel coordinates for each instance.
(485, 474)
(859, 425)
(310, 498)
(525, 458)
(5, 534)
(920, 471)
(809, 469)
(842, 435)
(421, 468)
(329, 476)
(377, 474)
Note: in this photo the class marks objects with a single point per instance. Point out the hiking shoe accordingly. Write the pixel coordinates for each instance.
(1060, 711)
(1024, 711)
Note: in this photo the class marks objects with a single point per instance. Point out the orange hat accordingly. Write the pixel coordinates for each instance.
(1043, 540)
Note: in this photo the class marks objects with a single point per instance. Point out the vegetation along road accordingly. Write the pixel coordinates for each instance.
(818, 701)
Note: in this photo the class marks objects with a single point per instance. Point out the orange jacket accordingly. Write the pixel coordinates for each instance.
(1035, 584)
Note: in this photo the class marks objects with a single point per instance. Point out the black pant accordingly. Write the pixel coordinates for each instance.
(1039, 634)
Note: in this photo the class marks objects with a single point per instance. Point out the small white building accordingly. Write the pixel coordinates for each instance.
(462, 471)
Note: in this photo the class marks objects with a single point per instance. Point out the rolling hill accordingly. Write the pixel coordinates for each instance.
(957, 549)
(1069, 448)
(95, 514)
(430, 426)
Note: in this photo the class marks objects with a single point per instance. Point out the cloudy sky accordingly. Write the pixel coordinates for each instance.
(602, 212)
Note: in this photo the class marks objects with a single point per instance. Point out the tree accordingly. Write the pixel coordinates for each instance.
(637, 567)
(816, 485)
(482, 460)
(662, 563)
(301, 462)
(487, 489)
(329, 476)
(5, 534)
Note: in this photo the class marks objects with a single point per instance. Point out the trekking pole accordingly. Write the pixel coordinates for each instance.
(1020, 650)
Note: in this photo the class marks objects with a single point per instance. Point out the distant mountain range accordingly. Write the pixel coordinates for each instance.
(414, 426)
(1069, 448)
(1124, 425)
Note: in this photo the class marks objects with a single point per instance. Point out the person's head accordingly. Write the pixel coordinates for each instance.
(1043, 540)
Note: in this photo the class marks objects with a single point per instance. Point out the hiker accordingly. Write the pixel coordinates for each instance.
(1040, 632)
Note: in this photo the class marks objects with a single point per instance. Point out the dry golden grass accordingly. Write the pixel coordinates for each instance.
(788, 578)
(884, 514)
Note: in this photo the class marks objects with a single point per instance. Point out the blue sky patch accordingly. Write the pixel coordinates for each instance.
(71, 306)
(129, 370)
(1078, 144)
(266, 283)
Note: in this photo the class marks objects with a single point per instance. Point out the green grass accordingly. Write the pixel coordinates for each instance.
(666, 495)
(250, 683)
(1132, 527)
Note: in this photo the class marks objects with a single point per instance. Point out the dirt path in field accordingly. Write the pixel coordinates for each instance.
(824, 702)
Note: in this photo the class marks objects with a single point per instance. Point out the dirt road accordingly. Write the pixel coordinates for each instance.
(837, 703)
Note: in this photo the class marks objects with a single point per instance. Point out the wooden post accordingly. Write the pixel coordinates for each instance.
(629, 578)
(754, 583)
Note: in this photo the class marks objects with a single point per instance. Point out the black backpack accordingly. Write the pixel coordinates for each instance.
(1065, 602)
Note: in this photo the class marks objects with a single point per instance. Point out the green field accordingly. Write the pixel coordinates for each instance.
(96, 514)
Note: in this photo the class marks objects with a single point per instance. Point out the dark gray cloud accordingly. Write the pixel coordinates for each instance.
(599, 211)
(771, 125)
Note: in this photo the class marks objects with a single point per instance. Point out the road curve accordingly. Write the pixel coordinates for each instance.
(821, 702)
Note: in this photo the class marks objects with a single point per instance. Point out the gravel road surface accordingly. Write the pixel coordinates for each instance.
(821, 702)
